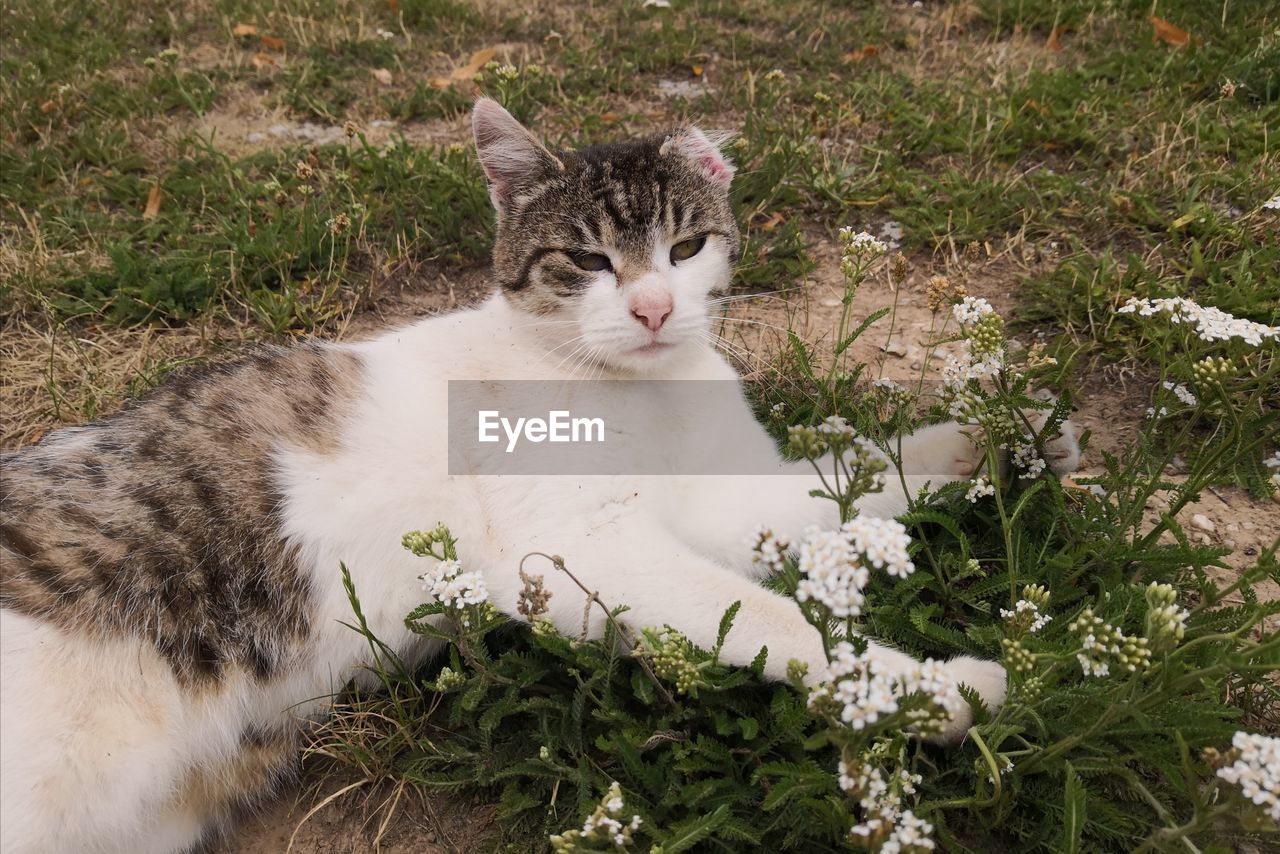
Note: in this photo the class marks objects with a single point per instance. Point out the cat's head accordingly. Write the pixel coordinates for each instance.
(626, 242)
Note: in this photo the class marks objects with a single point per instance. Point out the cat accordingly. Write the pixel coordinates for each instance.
(170, 589)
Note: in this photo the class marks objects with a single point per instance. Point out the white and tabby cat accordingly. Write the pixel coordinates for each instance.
(170, 588)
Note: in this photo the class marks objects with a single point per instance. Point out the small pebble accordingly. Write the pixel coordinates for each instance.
(1202, 522)
(1248, 526)
(896, 348)
(1232, 527)
(1231, 544)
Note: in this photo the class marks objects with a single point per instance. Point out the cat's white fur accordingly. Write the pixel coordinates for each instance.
(96, 736)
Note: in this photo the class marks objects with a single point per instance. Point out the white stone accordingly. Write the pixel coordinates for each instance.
(1202, 522)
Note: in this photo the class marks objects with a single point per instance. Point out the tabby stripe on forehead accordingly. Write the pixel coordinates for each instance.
(611, 208)
(678, 212)
(522, 281)
(584, 234)
(660, 195)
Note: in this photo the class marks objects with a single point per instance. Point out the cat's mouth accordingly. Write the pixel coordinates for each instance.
(652, 348)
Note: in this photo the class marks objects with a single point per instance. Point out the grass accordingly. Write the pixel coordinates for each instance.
(178, 181)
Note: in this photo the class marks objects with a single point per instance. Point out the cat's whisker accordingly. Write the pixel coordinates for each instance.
(583, 345)
(732, 298)
(751, 322)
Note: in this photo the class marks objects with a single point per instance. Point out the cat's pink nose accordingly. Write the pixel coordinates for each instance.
(652, 310)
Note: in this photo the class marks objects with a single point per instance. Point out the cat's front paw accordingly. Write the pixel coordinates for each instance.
(1062, 452)
(988, 678)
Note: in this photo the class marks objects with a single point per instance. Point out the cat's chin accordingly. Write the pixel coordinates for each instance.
(648, 358)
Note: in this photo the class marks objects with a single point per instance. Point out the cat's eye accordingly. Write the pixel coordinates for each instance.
(592, 262)
(686, 249)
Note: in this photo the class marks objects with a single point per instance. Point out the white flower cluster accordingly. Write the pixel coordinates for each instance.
(833, 572)
(1273, 462)
(603, 825)
(875, 792)
(1152, 412)
(882, 542)
(906, 833)
(1026, 612)
(835, 427)
(861, 244)
(1183, 393)
(767, 549)
(452, 587)
(835, 563)
(1025, 458)
(860, 691)
(979, 489)
(971, 309)
(967, 365)
(1211, 324)
(1257, 770)
(1102, 643)
(1272, 204)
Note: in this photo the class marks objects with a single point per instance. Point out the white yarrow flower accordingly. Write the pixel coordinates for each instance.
(833, 572)
(1181, 392)
(837, 564)
(1034, 619)
(964, 366)
(884, 543)
(767, 549)
(979, 489)
(1025, 457)
(865, 691)
(1257, 770)
(1211, 324)
(449, 585)
(1272, 204)
(861, 243)
(971, 309)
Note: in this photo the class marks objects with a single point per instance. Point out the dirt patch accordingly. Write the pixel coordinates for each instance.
(349, 818)
(902, 346)
(246, 120)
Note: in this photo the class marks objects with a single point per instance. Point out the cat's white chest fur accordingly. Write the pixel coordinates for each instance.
(391, 476)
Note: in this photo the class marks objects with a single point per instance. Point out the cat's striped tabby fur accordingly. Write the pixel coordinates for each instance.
(169, 579)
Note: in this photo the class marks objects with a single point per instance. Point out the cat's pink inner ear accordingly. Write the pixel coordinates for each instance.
(705, 154)
(509, 154)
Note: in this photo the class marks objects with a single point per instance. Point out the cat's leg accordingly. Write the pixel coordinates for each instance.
(943, 453)
(101, 749)
(87, 743)
(662, 582)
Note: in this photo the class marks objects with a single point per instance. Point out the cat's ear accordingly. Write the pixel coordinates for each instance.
(703, 151)
(510, 155)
